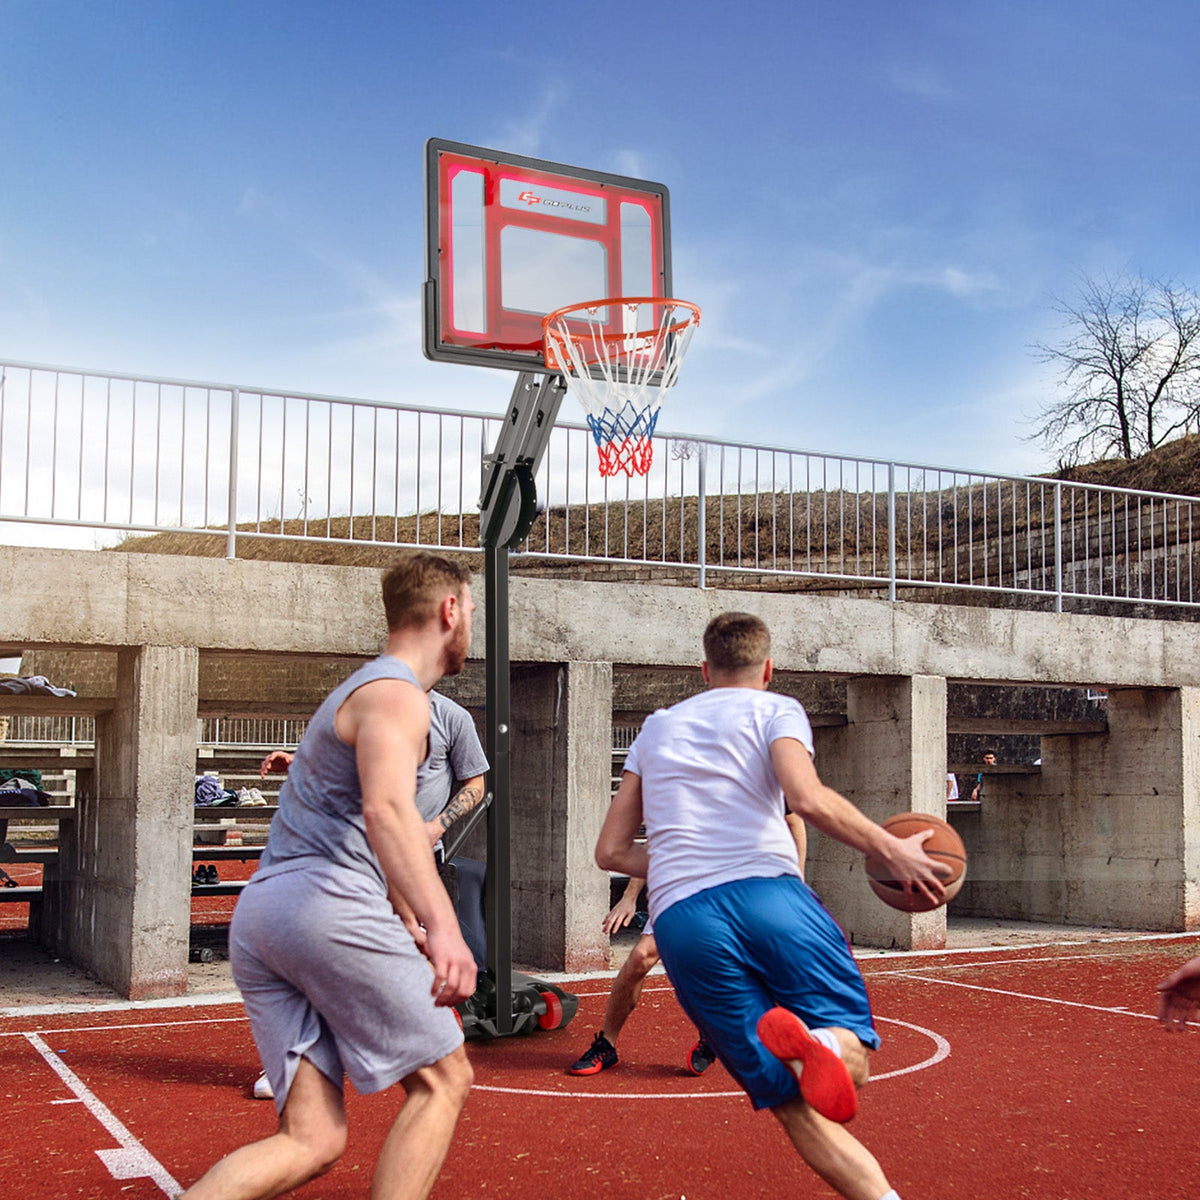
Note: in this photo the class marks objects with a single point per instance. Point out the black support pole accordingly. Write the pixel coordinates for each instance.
(499, 721)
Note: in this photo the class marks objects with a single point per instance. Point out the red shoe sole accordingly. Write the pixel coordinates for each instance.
(595, 1069)
(825, 1082)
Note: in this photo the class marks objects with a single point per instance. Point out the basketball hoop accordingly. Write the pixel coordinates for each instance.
(620, 366)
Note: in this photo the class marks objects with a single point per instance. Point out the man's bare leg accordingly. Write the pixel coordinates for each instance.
(310, 1139)
(831, 1149)
(416, 1145)
(833, 1152)
(627, 987)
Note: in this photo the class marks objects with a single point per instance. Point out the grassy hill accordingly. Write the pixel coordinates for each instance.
(835, 532)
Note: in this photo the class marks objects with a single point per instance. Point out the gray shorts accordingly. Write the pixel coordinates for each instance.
(328, 972)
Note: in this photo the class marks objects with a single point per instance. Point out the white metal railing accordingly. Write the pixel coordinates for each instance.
(90, 454)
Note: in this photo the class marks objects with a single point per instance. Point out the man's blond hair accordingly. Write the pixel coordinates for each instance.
(735, 641)
(416, 585)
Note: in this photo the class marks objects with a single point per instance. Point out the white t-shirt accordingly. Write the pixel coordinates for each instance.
(711, 803)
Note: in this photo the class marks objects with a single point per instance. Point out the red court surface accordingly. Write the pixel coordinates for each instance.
(1033, 1072)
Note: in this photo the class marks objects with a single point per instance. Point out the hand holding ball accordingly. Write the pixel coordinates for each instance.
(944, 846)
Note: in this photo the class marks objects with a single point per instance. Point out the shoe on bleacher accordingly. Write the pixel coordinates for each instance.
(825, 1083)
(262, 1088)
(200, 874)
(601, 1055)
(701, 1057)
(254, 798)
(210, 874)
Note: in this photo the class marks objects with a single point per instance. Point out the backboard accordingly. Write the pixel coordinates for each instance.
(510, 238)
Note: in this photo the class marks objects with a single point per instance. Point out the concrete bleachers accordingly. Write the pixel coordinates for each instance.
(1103, 833)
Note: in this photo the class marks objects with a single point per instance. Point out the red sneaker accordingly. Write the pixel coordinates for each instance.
(824, 1081)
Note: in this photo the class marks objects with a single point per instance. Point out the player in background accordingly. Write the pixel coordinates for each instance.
(756, 961)
(330, 936)
(643, 958)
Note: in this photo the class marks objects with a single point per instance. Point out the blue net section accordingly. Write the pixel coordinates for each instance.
(624, 438)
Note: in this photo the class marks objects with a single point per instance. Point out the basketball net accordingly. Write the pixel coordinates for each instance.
(620, 364)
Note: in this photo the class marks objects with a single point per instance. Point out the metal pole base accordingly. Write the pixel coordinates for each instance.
(535, 1004)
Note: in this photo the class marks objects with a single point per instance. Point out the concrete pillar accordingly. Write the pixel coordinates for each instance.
(561, 772)
(128, 862)
(890, 757)
(1107, 833)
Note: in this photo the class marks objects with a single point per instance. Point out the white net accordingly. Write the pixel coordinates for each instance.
(620, 358)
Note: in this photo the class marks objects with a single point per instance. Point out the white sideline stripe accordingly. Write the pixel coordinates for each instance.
(992, 962)
(131, 1160)
(131, 1025)
(63, 1010)
(1120, 1010)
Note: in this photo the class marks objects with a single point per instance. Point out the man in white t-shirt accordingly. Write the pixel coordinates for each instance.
(756, 961)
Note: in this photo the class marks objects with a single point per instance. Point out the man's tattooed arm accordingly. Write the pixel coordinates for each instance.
(468, 797)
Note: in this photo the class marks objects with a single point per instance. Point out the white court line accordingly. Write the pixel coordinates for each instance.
(131, 1025)
(18, 1011)
(132, 1160)
(941, 1050)
(1120, 1011)
(996, 962)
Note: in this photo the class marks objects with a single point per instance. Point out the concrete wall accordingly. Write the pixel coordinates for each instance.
(890, 757)
(1041, 848)
(562, 735)
(1106, 834)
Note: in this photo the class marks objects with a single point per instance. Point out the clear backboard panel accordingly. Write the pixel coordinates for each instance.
(510, 238)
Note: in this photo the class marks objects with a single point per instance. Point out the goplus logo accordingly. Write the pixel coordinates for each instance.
(532, 198)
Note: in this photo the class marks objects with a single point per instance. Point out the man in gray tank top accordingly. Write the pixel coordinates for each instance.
(333, 938)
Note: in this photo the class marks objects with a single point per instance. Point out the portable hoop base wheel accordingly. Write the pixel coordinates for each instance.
(536, 1005)
(621, 356)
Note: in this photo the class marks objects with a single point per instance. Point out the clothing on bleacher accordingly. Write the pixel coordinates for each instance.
(33, 684)
(17, 793)
(209, 792)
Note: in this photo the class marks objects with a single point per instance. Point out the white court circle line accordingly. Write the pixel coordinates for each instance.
(941, 1051)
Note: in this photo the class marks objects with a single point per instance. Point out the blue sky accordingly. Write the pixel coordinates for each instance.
(875, 205)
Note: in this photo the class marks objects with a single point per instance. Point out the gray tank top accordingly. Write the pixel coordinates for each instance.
(320, 816)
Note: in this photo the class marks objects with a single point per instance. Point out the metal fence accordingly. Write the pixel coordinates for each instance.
(268, 733)
(104, 456)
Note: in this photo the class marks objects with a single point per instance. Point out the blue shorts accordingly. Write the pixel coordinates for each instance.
(735, 950)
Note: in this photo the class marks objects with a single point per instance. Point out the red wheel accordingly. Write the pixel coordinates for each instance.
(552, 1017)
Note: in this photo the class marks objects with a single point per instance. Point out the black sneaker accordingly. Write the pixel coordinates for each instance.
(601, 1055)
(702, 1057)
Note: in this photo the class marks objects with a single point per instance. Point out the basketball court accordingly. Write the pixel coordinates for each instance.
(1006, 1071)
(1035, 1071)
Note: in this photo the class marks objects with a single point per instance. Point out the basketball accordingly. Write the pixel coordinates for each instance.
(945, 846)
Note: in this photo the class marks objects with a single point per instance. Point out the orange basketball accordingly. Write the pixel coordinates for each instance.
(945, 846)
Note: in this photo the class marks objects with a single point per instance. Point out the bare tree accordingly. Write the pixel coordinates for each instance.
(1130, 368)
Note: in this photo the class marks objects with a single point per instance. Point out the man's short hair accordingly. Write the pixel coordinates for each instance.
(734, 641)
(415, 586)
